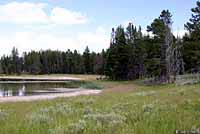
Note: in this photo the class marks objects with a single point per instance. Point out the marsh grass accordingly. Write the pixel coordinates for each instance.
(91, 85)
(3, 114)
(84, 85)
(146, 110)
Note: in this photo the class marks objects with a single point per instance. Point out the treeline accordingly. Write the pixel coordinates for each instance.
(131, 55)
(161, 56)
(57, 62)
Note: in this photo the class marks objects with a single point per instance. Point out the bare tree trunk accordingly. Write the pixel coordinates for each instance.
(167, 56)
(177, 60)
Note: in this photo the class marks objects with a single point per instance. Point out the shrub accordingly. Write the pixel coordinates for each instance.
(40, 118)
(91, 85)
(148, 108)
(77, 128)
(57, 130)
(110, 119)
(145, 93)
(3, 114)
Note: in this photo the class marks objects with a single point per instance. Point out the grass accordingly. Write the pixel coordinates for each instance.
(122, 108)
(91, 85)
(83, 84)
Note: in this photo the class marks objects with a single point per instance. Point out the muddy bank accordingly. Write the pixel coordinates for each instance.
(21, 78)
(48, 96)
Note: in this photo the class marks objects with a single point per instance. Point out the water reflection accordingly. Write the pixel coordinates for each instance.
(6, 93)
(9, 93)
(1, 93)
(12, 90)
(23, 89)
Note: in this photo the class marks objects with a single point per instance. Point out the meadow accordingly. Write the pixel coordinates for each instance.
(127, 107)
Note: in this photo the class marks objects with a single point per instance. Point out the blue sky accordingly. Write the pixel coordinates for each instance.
(62, 24)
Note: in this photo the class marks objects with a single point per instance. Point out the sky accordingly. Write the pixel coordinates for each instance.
(75, 24)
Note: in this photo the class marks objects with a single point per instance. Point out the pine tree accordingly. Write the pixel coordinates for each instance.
(136, 60)
(16, 62)
(177, 58)
(191, 47)
(193, 26)
(161, 28)
(87, 60)
(118, 57)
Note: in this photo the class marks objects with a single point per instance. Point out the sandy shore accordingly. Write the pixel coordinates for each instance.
(47, 96)
(45, 78)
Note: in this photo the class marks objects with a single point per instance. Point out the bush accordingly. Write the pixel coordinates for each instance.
(90, 85)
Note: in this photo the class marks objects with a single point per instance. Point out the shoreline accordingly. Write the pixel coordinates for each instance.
(32, 78)
(48, 96)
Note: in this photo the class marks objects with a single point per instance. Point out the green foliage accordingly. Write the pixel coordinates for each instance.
(118, 57)
(12, 64)
(131, 55)
(161, 28)
(191, 56)
(91, 85)
(193, 26)
(57, 62)
(191, 47)
(145, 110)
(157, 28)
(87, 60)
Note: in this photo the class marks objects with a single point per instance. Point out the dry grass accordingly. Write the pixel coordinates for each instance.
(122, 108)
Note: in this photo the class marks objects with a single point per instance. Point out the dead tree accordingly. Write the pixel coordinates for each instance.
(177, 59)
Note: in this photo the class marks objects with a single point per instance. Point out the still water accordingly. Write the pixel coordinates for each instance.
(8, 89)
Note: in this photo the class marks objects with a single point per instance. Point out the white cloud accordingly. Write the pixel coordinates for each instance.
(29, 40)
(64, 16)
(23, 13)
(34, 13)
(96, 40)
(36, 37)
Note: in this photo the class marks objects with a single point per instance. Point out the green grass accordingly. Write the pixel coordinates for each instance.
(143, 110)
(84, 85)
(91, 85)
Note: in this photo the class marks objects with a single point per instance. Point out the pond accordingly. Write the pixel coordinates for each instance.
(20, 88)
